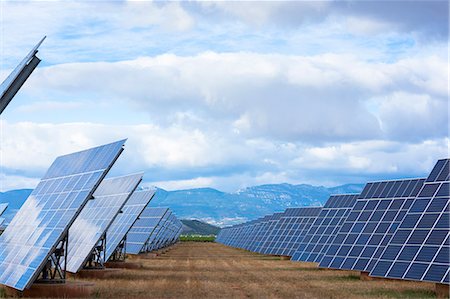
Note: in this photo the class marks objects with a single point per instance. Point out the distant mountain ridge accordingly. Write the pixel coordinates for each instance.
(197, 227)
(222, 208)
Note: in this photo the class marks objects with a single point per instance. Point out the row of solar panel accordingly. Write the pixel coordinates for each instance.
(393, 229)
(74, 203)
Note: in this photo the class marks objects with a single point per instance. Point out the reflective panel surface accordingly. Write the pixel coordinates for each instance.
(132, 209)
(46, 215)
(96, 216)
(143, 228)
(419, 249)
(373, 220)
(324, 229)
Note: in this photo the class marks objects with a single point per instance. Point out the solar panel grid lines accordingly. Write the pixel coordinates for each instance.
(157, 234)
(96, 217)
(292, 226)
(371, 223)
(162, 235)
(250, 233)
(131, 211)
(260, 232)
(265, 231)
(139, 234)
(241, 238)
(324, 229)
(419, 250)
(44, 219)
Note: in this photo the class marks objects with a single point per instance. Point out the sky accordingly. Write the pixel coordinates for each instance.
(229, 94)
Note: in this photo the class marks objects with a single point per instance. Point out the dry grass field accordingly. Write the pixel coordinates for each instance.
(210, 270)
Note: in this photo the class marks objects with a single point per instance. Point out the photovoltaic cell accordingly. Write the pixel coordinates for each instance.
(158, 234)
(286, 235)
(45, 217)
(325, 228)
(133, 208)
(419, 249)
(142, 229)
(370, 225)
(264, 231)
(96, 216)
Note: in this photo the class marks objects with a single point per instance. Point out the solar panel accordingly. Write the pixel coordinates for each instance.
(124, 221)
(157, 236)
(3, 207)
(420, 249)
(41, 224)
(95, 218)
(142, 229)
(286, 236)
(17, 78)
(262, 231)
(374, 218)
(324, 229)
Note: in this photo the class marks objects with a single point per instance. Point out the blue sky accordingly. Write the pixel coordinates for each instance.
(230, 94)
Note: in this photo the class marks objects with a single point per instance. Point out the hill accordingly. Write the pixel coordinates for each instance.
(196, 227)
(221, 208)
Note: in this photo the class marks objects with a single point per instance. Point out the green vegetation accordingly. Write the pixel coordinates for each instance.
(196, 227)
(197, 238)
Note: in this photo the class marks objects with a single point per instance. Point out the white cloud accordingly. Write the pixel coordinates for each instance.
(172, 159)
(12, 182)
(307, 98)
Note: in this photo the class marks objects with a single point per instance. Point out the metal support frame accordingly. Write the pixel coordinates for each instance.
(97, 258)
(17, 84)
(119, 254)
(53, 271)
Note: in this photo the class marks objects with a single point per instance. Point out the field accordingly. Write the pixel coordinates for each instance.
(210, 270)
(197, 238)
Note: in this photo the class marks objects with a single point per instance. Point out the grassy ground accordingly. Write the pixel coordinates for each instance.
(210, 270)
(197, 238)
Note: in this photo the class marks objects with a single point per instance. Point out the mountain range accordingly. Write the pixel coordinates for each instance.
(222, 208)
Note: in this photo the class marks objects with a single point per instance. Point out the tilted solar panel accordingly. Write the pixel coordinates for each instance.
(11, 85)
(263, 230)
(324, 229)
(419, 249)
(133, 208)
(3, 207)
(286, 236)
(142, 229)
(42, 222)
(157, 236)
(95, 218)
(373, 220)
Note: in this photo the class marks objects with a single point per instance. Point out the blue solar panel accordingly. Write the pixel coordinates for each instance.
(324, 229)
(419, 249)
(133, 208)
(286, 235)
(158, 235)
(142, 229)
(45, 217)
(96, 216)
(370, 225)
(259, 238)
